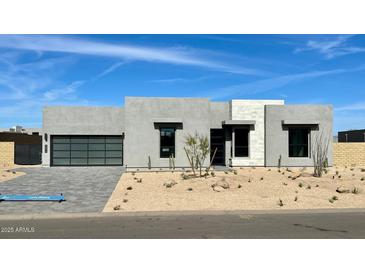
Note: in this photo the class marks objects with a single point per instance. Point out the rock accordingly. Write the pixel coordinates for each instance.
(125, 200)
(218, 188)
(129, 188)
(170, 183)
(190, 189)
(296, 176)
(239, 186)
(223, 184)
(342, 190)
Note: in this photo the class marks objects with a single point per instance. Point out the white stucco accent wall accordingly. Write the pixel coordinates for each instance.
(253, 110)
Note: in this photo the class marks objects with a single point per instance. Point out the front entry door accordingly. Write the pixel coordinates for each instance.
(217, 141)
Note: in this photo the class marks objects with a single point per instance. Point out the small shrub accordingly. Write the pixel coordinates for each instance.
(280, 203)
(296, 198)
(117, 207)
(352, 169)
(226, 172)
(362, 179)
(300, 184)
(285, 184)
(125, 200)
(333, 177)
(190, 189)
(362, 169)
(355, 190)
(262, 178)
(212, 173)
(129, 188)
(139, 180)
(309, 187)
(333, 199)
(239, 186)
(353, 174)
(133, 173)
(184, 176)
(339, 176)
(317, 185)
(337, 172)
(235, 172)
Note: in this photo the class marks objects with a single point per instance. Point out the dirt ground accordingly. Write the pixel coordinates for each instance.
(7, 172)
(240, 189)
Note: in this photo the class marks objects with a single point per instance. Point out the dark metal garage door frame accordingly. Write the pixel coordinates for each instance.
(87, 150)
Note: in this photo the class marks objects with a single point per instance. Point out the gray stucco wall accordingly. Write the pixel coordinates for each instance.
(59, 120)
(142, 137)
(277, 138)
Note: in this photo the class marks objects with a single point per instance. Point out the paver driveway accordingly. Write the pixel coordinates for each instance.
(86, 189)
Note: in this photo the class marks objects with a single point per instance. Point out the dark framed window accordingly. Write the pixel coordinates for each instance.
(241, 142)
(167, 142)
(299, 142)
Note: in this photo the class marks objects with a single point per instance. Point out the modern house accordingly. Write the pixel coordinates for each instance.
(351, 136)
(150, 130)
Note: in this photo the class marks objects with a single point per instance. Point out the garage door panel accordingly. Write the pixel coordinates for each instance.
(86, 150)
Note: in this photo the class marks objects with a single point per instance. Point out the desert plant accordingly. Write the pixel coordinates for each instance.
(309, 187)
(149, 162)
(212, 173)
(319, 153)
(362, 179)
(279, 163)
(355, 190)
(296, 198)
(362, 169)
(300, 184)
(197, 150)
(280, 202)
(235, 172)
(211, 161)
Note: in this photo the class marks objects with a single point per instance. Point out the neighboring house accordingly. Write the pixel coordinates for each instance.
(244, 132)
(26, 144)
(351, 136)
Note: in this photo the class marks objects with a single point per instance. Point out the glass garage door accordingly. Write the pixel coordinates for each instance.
(87, 150)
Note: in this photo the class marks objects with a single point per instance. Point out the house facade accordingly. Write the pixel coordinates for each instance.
(146, 132)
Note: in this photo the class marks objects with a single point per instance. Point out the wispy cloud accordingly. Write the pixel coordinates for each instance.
(169, 55)
(331, 48)
(269, 84)
(70, 89)
(179, 80)
(352, 107)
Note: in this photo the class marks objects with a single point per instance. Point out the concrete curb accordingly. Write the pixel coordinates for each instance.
(178, 213)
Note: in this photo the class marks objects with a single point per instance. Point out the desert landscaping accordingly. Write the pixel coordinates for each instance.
(7, 172)
(246, 188)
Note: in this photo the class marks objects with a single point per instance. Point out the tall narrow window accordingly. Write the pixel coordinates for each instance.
(167, 142)
(298, 142)
(241, 142)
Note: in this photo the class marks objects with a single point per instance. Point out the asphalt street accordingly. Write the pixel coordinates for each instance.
(198, 225)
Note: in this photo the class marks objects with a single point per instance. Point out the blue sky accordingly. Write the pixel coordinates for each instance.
(40, 70)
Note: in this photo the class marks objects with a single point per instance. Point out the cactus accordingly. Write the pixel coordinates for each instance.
(149, 162)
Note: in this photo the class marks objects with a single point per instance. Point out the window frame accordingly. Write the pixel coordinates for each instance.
(308, 145)
(234, 142)
(174, 146)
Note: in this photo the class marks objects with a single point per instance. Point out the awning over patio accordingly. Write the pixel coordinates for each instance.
(167, 120)
(299, 122)
(238, 122)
